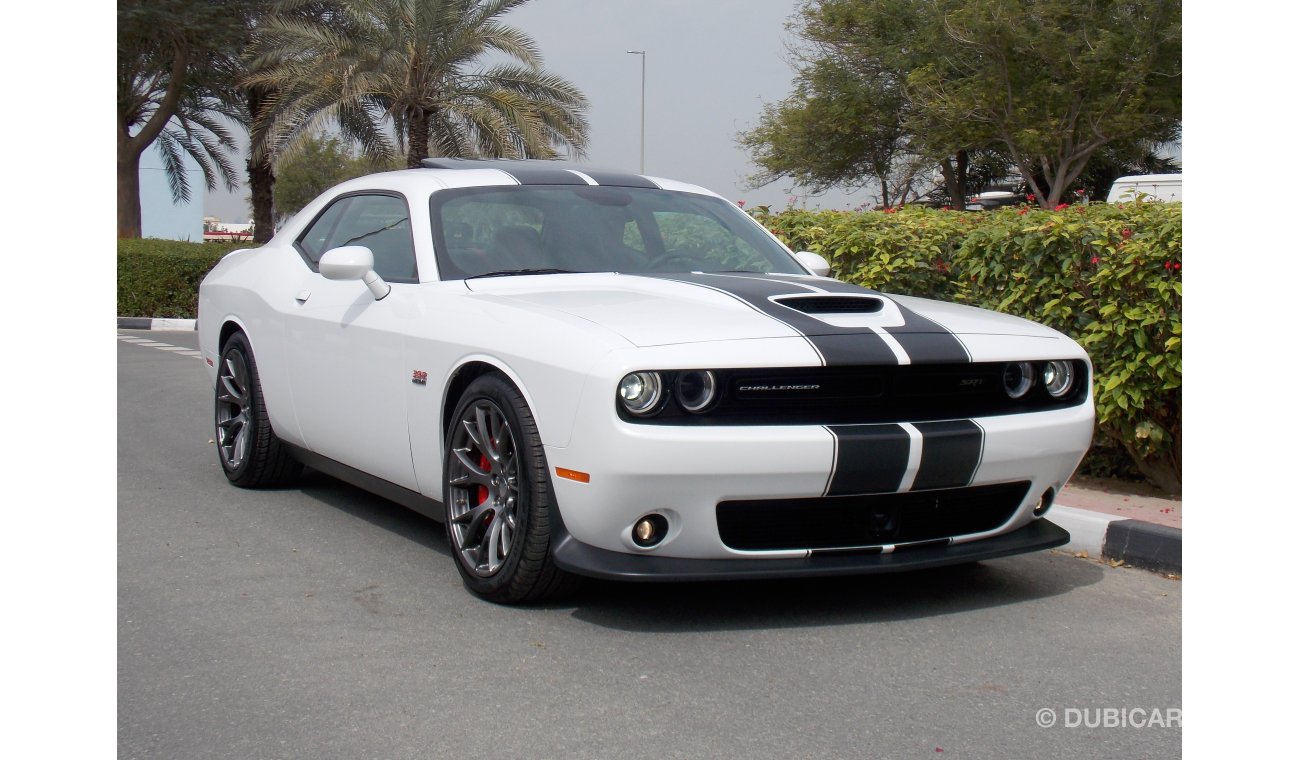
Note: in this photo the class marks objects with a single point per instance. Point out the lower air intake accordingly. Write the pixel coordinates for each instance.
(838, 522)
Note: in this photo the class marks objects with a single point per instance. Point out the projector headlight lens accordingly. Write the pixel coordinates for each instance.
(1058, 377)
(1017, 378)
(640, 392)
(696, 389)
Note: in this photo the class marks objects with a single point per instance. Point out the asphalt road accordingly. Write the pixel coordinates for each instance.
(322, 622)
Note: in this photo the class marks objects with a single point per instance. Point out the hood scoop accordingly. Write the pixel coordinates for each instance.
(837, 304)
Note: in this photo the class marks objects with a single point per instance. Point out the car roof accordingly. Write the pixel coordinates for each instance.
(444, 173)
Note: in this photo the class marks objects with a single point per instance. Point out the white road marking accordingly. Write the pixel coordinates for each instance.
(169, 348)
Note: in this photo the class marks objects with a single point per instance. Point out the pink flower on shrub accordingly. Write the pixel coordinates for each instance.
(740, 203)
(1177, 266)
(1030, 197)
(1022, 211)
(1095, 259)
(1169, 264)
(1062, 206)
(1126, 233)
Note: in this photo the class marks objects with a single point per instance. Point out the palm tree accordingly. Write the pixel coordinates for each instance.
(417, 64)
(173, 88)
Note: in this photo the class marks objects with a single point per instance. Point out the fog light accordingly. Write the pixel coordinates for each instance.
(696, 389)
(640, 392)
(1045, 502)
(1017, 378)
(649, 530)
(1058, 376)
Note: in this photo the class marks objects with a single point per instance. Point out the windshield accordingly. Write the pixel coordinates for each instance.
(532, 229)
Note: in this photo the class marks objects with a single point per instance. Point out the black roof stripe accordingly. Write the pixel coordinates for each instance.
(619, 179)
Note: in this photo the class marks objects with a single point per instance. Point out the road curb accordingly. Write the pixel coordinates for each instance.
(146, 323)
(1137, 543)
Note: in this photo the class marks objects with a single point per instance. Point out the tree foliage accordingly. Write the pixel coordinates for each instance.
(883, 86)
(1054, 81)
(320, 163)
(417, 64)
(845, 123)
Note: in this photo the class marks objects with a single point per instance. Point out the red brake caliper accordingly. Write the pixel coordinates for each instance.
(482, 490)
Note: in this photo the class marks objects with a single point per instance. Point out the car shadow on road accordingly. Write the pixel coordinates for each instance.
(743, 605)
(375, 510)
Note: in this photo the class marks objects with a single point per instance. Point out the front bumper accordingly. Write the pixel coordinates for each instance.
(582, 559)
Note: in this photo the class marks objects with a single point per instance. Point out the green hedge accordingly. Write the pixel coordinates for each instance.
(1107, 275)
(160, 278)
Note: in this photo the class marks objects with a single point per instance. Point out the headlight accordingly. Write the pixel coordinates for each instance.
(640, 392)
(696, 389)
(1058, 377)
(1017, 378)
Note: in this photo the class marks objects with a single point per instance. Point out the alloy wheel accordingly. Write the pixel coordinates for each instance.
(483, 476)
(233, 424)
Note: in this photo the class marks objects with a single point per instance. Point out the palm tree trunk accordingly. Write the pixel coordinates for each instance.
(417, 139)
(261, 178)
(261, 182)
(128, 190)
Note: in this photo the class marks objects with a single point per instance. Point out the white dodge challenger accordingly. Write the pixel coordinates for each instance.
(593, 373)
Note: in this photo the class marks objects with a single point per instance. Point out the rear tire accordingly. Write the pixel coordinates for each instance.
(251, 455)
(500, 510)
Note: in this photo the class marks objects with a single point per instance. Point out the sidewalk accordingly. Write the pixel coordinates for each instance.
(1128, 522)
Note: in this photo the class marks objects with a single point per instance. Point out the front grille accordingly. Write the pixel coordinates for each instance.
(862, 395)
(836, 522)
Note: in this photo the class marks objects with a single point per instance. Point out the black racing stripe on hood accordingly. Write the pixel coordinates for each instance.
(839, 346)
(924, 340)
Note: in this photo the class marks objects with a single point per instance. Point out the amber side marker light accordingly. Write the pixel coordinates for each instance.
(581, 477)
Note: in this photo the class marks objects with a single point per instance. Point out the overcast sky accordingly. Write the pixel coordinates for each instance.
(710, 67)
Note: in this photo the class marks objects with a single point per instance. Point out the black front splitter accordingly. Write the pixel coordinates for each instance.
(584, 559)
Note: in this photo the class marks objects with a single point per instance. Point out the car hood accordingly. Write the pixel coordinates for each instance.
(667, 309)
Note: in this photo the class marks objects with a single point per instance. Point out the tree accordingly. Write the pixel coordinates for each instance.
(416, 64)
(1045, 83)
(1054, 81)
(173, 80)
(837, 128)
(319, 164)
(847, 122)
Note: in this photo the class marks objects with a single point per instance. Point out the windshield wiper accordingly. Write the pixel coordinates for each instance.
(512, 272)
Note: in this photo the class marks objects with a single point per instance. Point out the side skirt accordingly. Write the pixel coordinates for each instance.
(431, 508)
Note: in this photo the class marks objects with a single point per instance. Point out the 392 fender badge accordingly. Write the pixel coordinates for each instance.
(419, 377)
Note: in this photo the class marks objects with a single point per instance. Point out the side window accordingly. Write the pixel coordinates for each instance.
(379, 222)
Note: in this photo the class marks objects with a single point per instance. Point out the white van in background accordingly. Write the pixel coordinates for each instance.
(1159, 187)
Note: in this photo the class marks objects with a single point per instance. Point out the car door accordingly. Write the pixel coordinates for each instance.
(349, 379)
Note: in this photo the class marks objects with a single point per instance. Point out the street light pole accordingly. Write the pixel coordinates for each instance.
(642, 54)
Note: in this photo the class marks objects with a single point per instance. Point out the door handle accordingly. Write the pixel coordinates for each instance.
(302, 296)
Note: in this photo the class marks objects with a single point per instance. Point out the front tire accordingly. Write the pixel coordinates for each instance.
(500, 509)
(251, 455)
